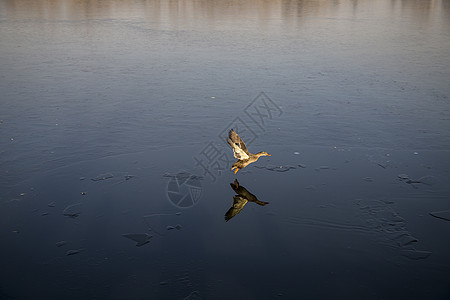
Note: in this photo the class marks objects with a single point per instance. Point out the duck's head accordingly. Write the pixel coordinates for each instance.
(263, 153)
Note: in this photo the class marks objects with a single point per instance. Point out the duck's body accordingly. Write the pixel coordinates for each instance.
(241, 153)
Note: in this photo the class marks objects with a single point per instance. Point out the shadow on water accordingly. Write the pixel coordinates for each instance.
(243, 196)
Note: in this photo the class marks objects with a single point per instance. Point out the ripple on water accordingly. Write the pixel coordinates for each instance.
(380, 217)
(443, 214)
(375, 218)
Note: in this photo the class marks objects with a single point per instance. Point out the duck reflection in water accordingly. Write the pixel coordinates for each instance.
(239, 200)
(241, 153)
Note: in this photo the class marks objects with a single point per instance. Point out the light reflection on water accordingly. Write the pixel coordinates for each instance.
(217, 13)
(135, 89)
(227, 14)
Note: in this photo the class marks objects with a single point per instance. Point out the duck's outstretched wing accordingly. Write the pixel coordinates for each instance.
(237, 151)
(238, 204)
(238, 145)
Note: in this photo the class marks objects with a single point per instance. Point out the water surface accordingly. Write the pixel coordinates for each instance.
(108, 106)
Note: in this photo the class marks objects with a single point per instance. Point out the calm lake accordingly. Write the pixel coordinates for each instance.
(115, 170)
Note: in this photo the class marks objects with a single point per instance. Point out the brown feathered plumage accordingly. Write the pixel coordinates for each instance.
(241, 153)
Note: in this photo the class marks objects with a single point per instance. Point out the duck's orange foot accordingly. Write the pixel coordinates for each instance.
(235, 171)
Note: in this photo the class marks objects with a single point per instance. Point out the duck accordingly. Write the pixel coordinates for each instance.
(241, 153)
(243, 196)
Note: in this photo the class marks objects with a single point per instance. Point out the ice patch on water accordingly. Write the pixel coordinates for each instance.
(427, 180)
(375, 218)
(119, 177)
(102, 177)
(195, 295)
(279, 168)
(140, 238)
(74, 251)
(159, 223)
(380, 217)
(443, 215)
(177, 227)
(415, 254)
(73, 210)
(60, 243)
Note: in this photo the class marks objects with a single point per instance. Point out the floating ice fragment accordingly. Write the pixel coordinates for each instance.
(73, 252)
(302, 165)
(128, 177)
(195, 295)
(177, 227)
(44, 214)
(311, 187)
(390, 227)
(51, 204)
(416, 254)
(140, 238)
(60, 243)
(443, 215)
(276, 168)
(72, 211)
(415, 153)
(296, 153)
(322, 168)
(157, 223)
(404, 239)
(102, 177)
(428, 180)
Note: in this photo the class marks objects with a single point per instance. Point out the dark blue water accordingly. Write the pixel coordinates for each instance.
(113, 118)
